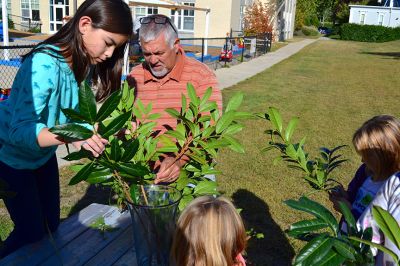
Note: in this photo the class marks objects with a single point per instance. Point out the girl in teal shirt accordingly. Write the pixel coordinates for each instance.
(47, 82)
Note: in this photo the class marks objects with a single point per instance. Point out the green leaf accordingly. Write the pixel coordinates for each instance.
(206, 96)
(184, 102)
(182, 181)
(130, 150)
(76, 167)
(234, 144)
(205, 188)
(87, 103)
(224, 121)
(290, 128)
(208, 107)
(109, 106)
(71, 132)
(306, 227)
(387, 224)
(233, 129)
(83, 174)
(134, 169)
(344, 249)
(275, 118)
(135, 194)
(332, 259)
(82, 153)
(316, 209)
(349, 218)
(192, 95)
(174, 113)
(375, 245)
(234, 102)
(186, 199)
(314, 251)
(99, 176)
(73, 115)
(115, 153)
(115, 125)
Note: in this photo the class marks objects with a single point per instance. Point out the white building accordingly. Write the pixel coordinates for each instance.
(387, 15)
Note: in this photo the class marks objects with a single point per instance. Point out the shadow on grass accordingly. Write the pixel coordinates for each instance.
(274, 248)
(93, 194)
(395, 55)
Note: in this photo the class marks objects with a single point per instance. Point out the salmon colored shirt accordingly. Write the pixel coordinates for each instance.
(166, 92)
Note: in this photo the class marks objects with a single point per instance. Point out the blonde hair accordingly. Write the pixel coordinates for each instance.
(209, 232)
(378, 139)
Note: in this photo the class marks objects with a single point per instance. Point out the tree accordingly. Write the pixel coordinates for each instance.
(259, 17)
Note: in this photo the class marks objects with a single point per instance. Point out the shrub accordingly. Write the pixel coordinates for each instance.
(310, 30)
(311, 20)
(368, 33)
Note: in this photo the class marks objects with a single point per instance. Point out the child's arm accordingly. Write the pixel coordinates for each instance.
(95, 144)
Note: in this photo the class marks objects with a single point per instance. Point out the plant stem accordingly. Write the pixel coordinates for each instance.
(144, 195)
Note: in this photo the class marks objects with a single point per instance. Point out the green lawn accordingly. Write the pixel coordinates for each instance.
(332, 86)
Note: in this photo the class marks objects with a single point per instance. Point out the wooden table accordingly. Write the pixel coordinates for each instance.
(76, 243)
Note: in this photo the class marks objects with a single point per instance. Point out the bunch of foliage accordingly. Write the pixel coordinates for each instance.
(317, 171)
(310, 31)
(368, 33)
(328, 245)
(306, 12)
(126, 163)
(258, 18)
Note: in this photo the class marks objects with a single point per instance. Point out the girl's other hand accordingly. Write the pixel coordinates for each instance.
(95, 144)
(336, 195)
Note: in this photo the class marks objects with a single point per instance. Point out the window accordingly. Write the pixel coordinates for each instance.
(380, 19)
(30, 10)
(141, 11)
(8, 9)
(185, 18)
(362, 18)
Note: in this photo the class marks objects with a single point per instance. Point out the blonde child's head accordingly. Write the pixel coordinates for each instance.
(209, 232)
(378, 143)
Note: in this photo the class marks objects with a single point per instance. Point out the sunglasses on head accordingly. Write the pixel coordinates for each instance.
(157, 20)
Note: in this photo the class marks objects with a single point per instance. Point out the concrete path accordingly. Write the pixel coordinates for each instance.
(230, 76)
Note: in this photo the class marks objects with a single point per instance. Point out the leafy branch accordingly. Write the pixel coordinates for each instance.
(317, 172)
(127, 161)
(328, 245)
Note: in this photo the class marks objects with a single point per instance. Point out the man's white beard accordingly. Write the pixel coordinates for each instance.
(159, 74)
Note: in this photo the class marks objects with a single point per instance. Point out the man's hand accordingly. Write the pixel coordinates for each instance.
(169, 170)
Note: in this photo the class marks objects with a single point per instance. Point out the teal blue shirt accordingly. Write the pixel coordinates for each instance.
(43, 85)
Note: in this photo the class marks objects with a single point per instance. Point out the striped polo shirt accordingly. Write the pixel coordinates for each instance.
(166, 92)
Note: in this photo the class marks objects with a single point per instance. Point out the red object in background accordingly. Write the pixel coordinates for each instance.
(226, 55)
(4, 93)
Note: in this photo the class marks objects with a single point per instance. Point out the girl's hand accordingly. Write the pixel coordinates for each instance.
(95, 144)
(338, 194)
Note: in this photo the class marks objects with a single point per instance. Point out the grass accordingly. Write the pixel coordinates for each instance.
(333, 87)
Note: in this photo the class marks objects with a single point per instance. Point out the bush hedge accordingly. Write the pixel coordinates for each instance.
(368, 33)
(310, 30)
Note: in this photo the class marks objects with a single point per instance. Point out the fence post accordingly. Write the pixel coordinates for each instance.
(255, 52)
(244, 47)
(265, 43)
(226, 50)
(202, 49)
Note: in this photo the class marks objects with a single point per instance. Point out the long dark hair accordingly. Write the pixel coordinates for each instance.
(110, 15)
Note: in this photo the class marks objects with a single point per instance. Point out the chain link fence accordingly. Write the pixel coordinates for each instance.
(10, 61)
(216, 52)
